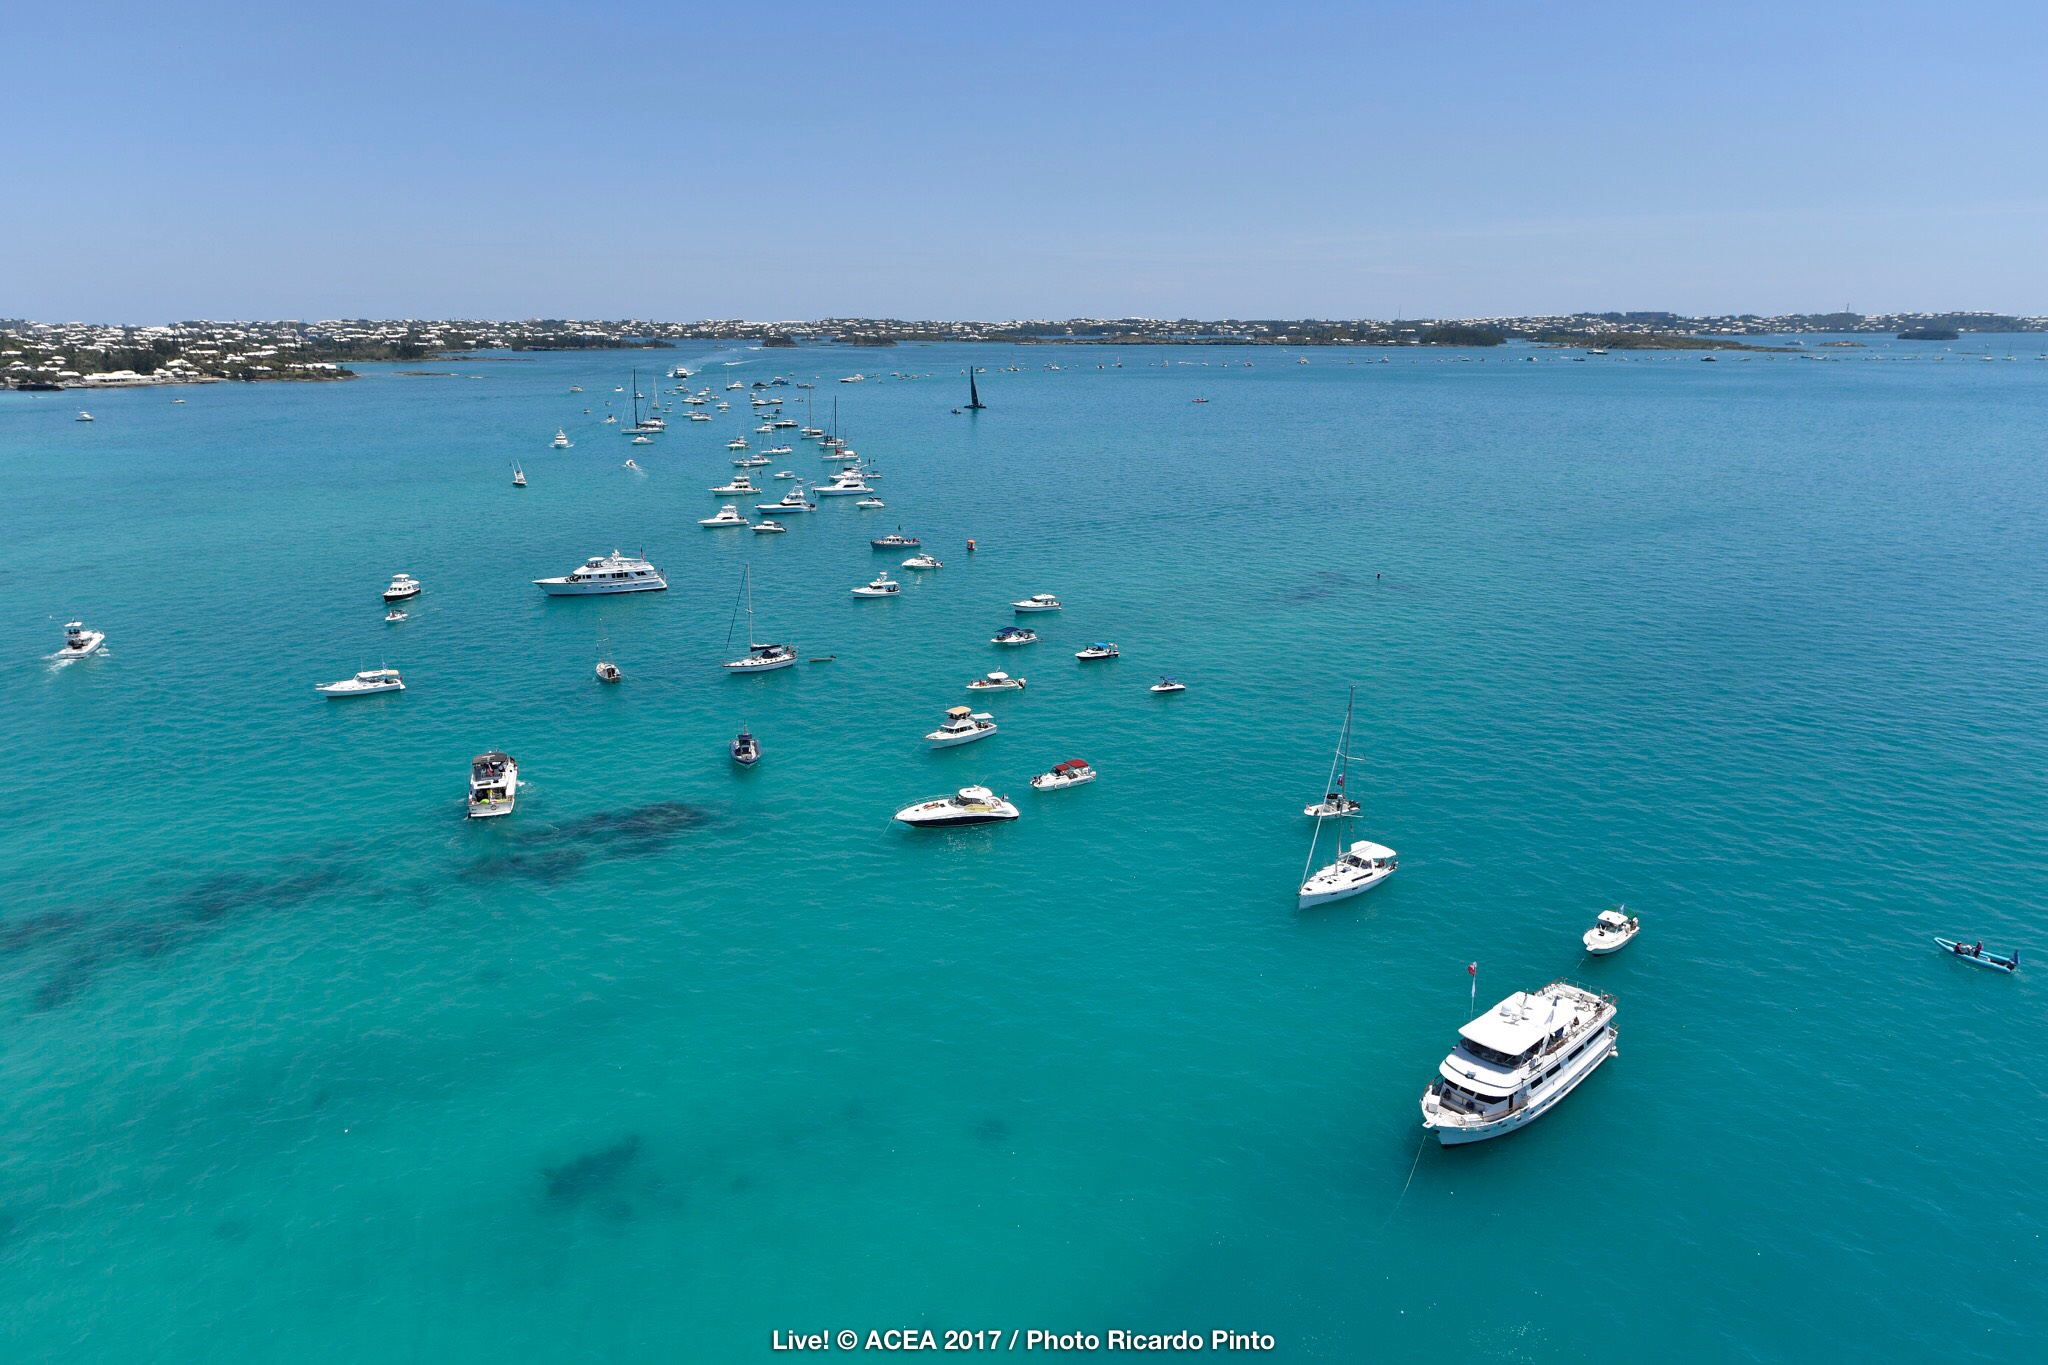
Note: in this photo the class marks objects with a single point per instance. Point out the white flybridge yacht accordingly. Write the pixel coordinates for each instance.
(758, 658)
(742, 485)
(962, 726)
(792, 501)
(493, 785)
(968, 806)
(728, 515)
(403, 585)
(844, 486)
(610, 573)
(79, 643)
(1516, 1061)
(1360, 866)
(561, 441)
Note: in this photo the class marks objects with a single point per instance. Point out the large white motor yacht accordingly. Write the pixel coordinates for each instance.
(845, 486)
(363, 684)
(605, 574)
(561, 441)
(79, 642)
(968, 806)
(728, 515)
(403, 585)
(962, 726)
(1038, 601)
(1358, 869)
(493, 785)
(1516, 1061)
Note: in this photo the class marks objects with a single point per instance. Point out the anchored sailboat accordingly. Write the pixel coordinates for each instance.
(758, 658)
(1360, 866)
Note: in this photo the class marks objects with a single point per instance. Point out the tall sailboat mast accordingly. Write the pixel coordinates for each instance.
(1339, 765)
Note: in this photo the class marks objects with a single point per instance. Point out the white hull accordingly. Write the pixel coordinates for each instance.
(1321, 889)
(562, 587)
(490, 810)
(1457, 1134)
(939, 740)
(751, 666)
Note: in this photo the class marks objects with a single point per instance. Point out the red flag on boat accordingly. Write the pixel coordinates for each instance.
(1472, 970)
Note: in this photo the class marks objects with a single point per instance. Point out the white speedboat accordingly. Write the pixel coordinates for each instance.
(1165, 685)
(700, 416)
(639, 441)
(745, 749)
(923, 562)
(1014, 635)
(728, 515)
(561, 441)
(603, 574)
(882, 586)
(403, 585)
(996, 682)
(961, 726)
(741, 486)
(1358, 869)
(394, 616)
(366, 683)
(738, 443)
(83, 416)
(1101, 649)
(766, 527)
(785, 473)
(792, 501)
(1612, 929)
(79, 643)
(751, 462)
(493, 785)
(872, 504)
(968, 806)
(1038, 601)
(1514, 1063)
(1071, 773)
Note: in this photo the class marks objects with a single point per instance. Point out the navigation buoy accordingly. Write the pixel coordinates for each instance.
(970, 547)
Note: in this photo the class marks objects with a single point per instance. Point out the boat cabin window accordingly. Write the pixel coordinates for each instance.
(1495, 1055)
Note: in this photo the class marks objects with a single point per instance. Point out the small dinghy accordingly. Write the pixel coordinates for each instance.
(1974, 954)
(1612, 930)
(393, 616)
(746, 750)
(1169, 685)
(1071, 773)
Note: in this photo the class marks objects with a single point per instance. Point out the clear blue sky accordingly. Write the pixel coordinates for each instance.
(687, 160)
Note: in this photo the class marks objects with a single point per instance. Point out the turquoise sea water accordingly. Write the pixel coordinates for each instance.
(298, 1064)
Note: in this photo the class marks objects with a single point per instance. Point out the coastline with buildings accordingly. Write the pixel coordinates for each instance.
(50, 356)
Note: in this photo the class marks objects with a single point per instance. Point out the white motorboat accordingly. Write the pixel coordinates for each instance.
(792, 501)
(923, 561)
(745, 749)
(785, 473)
(604, 574)
(1358, 869)
(403, 586)
(1014, 635)
(493, 785)
(765, 428)
(518, 477)
(639, 441)
(79, 643)
(1101, 649)
(1168, 685)
(741, 485)
(844, 486)
(872, 504)
(758, 658)
(961, 726)
(996, 682)
(1612, 930)
(896, 540)
(1514, 1063)
(83, 416)
(751, 462)
(561, 441)
(882, 586)
(968, 806)
(366, 683)
(737, 443)
(1071, 773)
(700, 416)
(777, 450)
(395, 615)
(607, 671)
(1038, 601)
(766, 527)
(728, 515)
(610, 419)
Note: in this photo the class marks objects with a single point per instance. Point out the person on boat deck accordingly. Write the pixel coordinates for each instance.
(1978, 951)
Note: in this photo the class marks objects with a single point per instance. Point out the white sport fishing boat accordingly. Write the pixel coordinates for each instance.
(882, 586)
(1071, 773)
(728, 515)
(792, 501)
(844, 486)
(1514, 1063)
(403, 585)
(968, 806)
(961, 726)
(924, 561)
(493, 785)
(1612, 929)
(1360, 866)
(367, 683)
(561, 441)
(742, 485)
(602, 575)
(79, 643)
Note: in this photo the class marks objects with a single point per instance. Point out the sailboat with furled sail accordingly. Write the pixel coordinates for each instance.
(758, 658)
(1360, 866)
